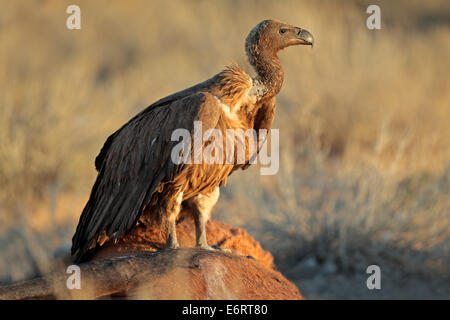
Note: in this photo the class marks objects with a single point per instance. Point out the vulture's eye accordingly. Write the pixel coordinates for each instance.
(283, 31)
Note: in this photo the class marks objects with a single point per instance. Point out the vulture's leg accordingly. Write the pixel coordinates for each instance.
(202, 206)
(172, 213)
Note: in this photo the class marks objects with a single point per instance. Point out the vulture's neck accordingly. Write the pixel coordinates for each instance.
(270, 74)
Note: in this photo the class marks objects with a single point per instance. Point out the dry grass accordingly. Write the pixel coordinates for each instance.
(365, 142)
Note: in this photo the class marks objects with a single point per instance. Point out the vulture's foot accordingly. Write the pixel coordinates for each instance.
(172, 245)
(215, 248)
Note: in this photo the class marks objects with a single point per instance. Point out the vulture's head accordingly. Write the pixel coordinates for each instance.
(275, 35)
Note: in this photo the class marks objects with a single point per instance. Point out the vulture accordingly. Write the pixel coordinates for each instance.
(138, 181)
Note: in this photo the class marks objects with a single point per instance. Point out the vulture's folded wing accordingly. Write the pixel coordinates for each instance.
(134, 161)
(263, 120)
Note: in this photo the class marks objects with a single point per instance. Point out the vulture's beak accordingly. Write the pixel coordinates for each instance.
(305, 37)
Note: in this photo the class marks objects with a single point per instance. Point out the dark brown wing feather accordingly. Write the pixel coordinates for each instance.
(134, 161)
(160, 103)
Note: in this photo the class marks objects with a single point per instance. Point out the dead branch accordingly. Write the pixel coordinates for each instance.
(168, 274)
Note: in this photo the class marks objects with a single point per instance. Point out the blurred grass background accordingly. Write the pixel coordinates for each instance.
(364, 129)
